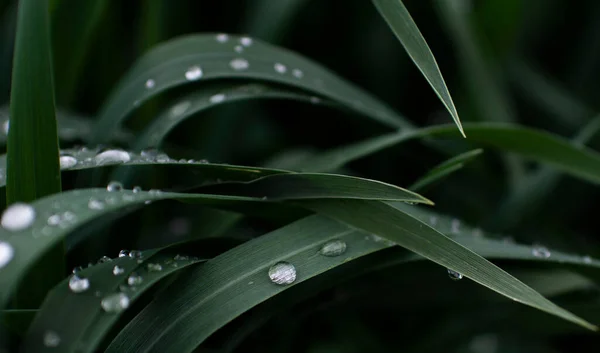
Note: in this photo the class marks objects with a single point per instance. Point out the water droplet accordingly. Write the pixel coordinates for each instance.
(134, 280)
(333, 248)
(6, 253)
(238, 49)
(282, 273)
(239, 64)
(540, 251)
(193, 73)
(67, 162)
(54, 220)
(79, 284)
(222, 37)
(297, 73)
(180, 108)
(586, 259)
(77, 269)
(136, 254)
(280, 68)
(315, 100)
(115, 303)
(104, 259)
(118, 270)
(5, 127)
(112, 156)
(114, 186)
(51, 339)
(455, 276)
(455, 226)
(123, 253)
(150, 83)
(246, 41)
(433, 220)
(181, 257)
(136, 189)
(95, 204)
(217, 98)
(18, 216)
(154, 267)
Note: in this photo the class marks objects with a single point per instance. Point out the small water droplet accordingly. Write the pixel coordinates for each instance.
(280, 68)
(433, 220)
(77, 269)
(154, 267)
(67, 162)
(238, 49)
(95, 204)
(540, 251)
(117, 270)
(222, 37)
(586, 259)
(136, 254)
(217, 98)
(79, 284)
(282, 273)
(6, 127)
(123, 253)
(18, 216)
(246, 41)
(150, 83)
(137, 189)
(315, 100)
(112, 156)
(6, 253)
(134, 280)
(54, 220)
(455, 276)
(114, 186)
(193, 73)
(104, 259)
(181, 257)
(115, 303)
(455, 226)
(180, 108)
(51, 339)
(239, 64)
(333, 248)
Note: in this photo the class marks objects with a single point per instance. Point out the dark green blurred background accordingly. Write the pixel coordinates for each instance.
(533, 62)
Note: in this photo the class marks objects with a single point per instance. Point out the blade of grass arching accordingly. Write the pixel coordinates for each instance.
(73, 26)
(412, 234)
(445, 168)
(535, 188)
(225, 287)
(78, 318)
(197, 58)
(406, 30)
(535, 144)
(82, 206)
(197, 102)
(33, 169)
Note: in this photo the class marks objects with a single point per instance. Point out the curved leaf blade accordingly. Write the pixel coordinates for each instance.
(445, 168)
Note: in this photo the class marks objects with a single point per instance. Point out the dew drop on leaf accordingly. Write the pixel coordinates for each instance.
(540, 251)
(238, 48)
(297, 73)
(79, 284)
(115, 303)
(134, 280)
(18, 216)
(179, 109)
(239, 64)
(67, 162)
(282, 273)
(95, 204)
(150, 83)
(112, 156)
(117, 270)
(222, 37)
(6, 253)
(5, 127)
(136, 189)
(333, 248)
(217, 98)
(246, 41)
(193, 73)
(123, 253)
(280, 68)
(104, 259)
(455, 276)
(135, 254)
(154, 267)
(585, 259)
(114, 186)
(51, 339)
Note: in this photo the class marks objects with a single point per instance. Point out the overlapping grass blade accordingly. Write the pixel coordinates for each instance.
(401, 228)
(85, 332)
(406, 30)
(33, 169)
(208, 57)
(445, 168)
(209, 296)
(538, 145)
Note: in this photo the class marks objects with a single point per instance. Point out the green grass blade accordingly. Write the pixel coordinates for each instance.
(210, 57)
(208, 297)
(412, 234)
(444, 169)
(79, 320)
(406, 30)
(33, 169)
(535, 144)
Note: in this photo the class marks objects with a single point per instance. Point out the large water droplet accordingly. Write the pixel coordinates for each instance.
(540, 251)
(78, 284)
(217, 98)
(112, 156)
(333, 248)
(51, 339)
(455, 276)
(115, 303)
(180, 108)
(114, 186)
(134, 280)
(18, 216)
(239, 64)
(67, 162)
(95, 204)
(297, 73)
(280, 68)
(222, 37)
(150, 83)
(193, 73)
(246, 41)
(123, 253)
(118, 270)
(6, 253)
(282, 273)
